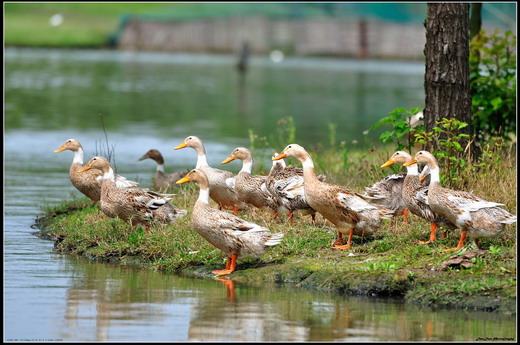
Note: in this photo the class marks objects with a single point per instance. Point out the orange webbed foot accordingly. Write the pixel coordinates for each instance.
(221, 272)
(344, 247)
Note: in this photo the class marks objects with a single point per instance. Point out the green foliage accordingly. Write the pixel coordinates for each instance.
(449, 151)
(401, 132)
(493, 84)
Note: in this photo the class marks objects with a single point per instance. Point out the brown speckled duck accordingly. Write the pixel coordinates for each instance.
(348, 211)
(136, 205)
(475, 217)
(219, 191)
(286, 185)
(247, 186)
(88, 183)
(414, 195)
(161, 181)
(387, 192)
(229, 233)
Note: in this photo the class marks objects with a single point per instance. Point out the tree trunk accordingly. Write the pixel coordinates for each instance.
(446, 81)
(475, 21)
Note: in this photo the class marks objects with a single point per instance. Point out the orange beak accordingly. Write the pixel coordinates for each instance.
(183, 180)
(280, 156)
(410, 162)
(422, 178)
(180, 146)
(388, 163)
(229, 159)
(85, 168)
(62, 148)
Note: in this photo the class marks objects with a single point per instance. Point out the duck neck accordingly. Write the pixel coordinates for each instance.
(204, 195)
(247, 165)
(308, 168)
(201, 156)
(434, 174)
(412, 170)
(78, 156)
(109, 175)
(160, 168)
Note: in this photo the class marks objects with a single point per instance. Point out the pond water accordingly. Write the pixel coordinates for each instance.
(155, 101)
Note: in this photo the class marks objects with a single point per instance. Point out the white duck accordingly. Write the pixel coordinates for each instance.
(233, 235)
(348, 211)
(219, 191)
(88, 183)
(475, 217)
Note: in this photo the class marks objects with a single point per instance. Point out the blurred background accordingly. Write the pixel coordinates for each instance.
(254, 74)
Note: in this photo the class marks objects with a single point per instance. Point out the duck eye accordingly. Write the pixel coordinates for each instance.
(290, 146)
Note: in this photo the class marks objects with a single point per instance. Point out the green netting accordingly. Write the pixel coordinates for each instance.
(501, 14)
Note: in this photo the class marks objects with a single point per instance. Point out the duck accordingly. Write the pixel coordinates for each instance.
(414, 194)
(234, 236)
(247, 186)
(88, 183)
(161, 181)
(285, 183)
(350, 213)
(387, 192)
(224, 196)
(135, 205)
(475, 217)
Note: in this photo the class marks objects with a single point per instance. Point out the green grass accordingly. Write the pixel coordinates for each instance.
(84, 24)
(391, 261)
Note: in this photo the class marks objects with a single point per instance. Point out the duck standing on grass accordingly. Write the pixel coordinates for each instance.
(285, 184)
(219, 190)
(161, 181)
(247, 186)
(415, 194)
(229, 233)
(475, 217)
(136, 205)
(88, 183)
(348, 211)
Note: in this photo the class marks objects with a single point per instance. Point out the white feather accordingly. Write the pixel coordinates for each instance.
(355, 203)
(472, 205)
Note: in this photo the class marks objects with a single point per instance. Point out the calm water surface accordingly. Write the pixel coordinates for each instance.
(51, 96)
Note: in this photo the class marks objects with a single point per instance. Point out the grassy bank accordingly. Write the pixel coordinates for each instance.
(83, 25)
(390, 263)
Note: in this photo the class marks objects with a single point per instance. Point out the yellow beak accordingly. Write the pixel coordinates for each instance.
(388, 163)
(422, 178)
(183, 180)
(85, 168)
(229, 159)
(62, 148)
(180, 146)
(280, 156)
(410, 162)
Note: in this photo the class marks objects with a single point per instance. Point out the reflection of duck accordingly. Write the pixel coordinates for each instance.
(247, 186)
(348, 211)
(231, 234)
(219, 191)
(136, 205)
(414, 194)
(286, 184)
(88, 183)
(161, 181)
(475, 217)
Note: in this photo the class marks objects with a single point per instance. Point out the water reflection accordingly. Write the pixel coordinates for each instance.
(117, 303)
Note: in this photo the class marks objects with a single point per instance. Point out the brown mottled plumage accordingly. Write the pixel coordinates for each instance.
(89, 182)
(229, 233)
(219, 191)
(286, 185)
(136, 205)
(475, 217)
(348, 211)
(415, 194)
(247, 186)
(161, 181)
